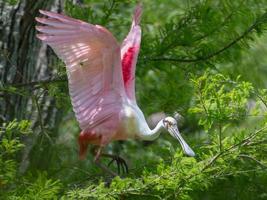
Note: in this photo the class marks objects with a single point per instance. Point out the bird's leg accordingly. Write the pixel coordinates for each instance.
(97, 162)
(121, 163)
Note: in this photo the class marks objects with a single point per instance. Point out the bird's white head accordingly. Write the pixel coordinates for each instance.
(170, 124)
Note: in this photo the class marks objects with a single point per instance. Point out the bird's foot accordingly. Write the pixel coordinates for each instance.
(120, 162)
(122, 166)
(105, 168)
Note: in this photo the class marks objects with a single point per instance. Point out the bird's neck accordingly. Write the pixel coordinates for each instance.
(149, 134)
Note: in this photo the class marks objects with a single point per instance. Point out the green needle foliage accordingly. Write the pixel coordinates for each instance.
(180, 177)
(205, 60)
(219, 99)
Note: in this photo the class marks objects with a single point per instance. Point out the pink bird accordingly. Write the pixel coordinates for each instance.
(101, 77)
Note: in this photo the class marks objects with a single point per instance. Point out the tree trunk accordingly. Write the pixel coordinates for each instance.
(23, 60)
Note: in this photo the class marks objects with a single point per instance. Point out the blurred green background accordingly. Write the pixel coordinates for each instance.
(203, 62)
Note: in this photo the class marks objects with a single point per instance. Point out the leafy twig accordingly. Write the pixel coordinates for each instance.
(109, 12)
(262, 100)
(241, 143)
(254, 159)
(35, 100)
(236, 40)
(240, 172)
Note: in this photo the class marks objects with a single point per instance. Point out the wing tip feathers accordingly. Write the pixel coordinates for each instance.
(42, 11)
(38, 19)
(38, 28)
(41, 37)
(138, 13)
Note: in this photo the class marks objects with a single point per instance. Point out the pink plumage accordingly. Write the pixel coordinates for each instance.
(94, 68)
(127, 66)
(129, 53)
(101, 77)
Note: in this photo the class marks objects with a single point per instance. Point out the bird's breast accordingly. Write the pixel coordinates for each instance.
(129, 126)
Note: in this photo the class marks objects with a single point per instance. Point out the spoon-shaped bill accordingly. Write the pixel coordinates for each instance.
(176, 134)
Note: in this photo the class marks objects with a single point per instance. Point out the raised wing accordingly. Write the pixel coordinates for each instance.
(92, 58)
(129, 53)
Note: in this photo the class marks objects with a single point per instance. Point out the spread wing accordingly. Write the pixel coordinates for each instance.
(92, 58)
(129, 53)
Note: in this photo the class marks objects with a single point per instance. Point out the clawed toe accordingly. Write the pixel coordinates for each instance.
(121, 164)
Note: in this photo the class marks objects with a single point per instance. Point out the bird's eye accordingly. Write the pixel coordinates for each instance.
(167, 123)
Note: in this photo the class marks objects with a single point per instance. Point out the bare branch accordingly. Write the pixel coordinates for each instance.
(34, 83)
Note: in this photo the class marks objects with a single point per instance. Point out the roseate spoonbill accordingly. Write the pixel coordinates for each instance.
(101, 77)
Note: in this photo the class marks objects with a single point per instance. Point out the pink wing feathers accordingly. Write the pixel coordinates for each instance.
(129, 53)
(92, 58)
